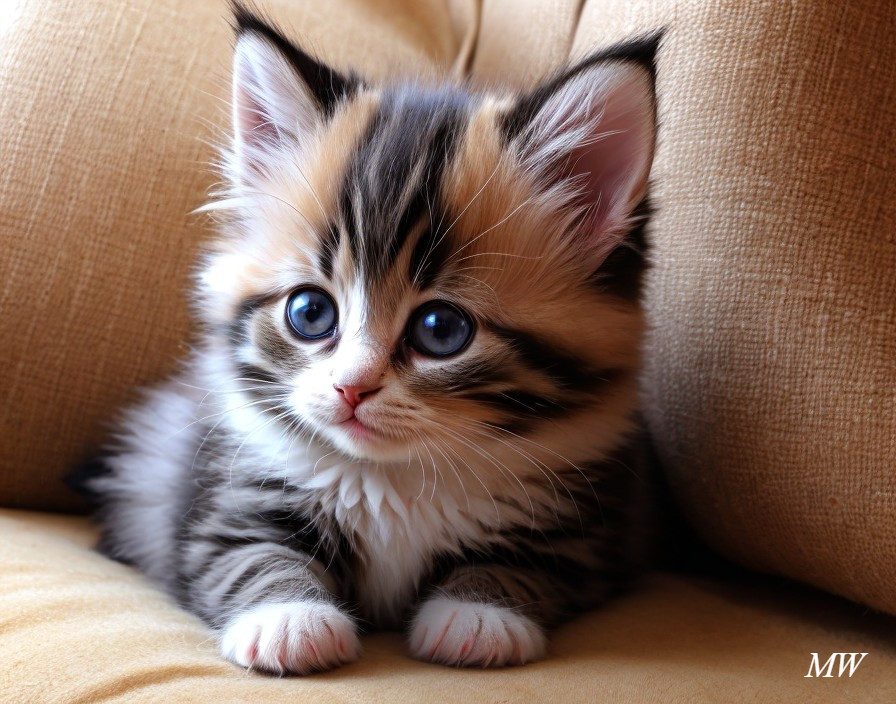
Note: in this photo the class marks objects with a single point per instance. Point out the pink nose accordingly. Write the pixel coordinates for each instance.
(355, 394)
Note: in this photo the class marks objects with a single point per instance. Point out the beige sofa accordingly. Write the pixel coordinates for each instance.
(771, 362)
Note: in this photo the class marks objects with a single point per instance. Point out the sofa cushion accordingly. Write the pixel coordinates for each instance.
(771, 362)
(79, 628)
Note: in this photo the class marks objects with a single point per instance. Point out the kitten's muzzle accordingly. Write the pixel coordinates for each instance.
(354, 395)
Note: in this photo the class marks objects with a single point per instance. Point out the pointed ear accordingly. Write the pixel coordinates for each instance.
(280, 93)
(591, 132)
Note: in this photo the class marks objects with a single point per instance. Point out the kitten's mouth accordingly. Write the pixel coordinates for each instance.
(365, 438)
(358, 430)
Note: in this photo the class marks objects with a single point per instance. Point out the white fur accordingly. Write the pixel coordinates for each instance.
(270, 107)
(155, 452)
(399, 514)
(602, 119)
(463, 633)
(296, 637)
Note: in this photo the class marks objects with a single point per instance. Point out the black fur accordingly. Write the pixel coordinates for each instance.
(394, 179)
(79, 479)
(641, 51)
(326, 85)
(622, 272)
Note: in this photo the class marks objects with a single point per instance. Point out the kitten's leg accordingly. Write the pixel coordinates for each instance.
(272, 607)
(492, 608)
(485, 616)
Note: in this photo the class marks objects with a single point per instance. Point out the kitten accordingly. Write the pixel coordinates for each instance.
(413, 398)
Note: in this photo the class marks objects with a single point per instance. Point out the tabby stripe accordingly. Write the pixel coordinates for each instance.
(462, 378)
(255, 373)
(524, 404)
(261, 580)
(346, 209)
(266, 396)
(392, 183)
(329, 246)
(565, 369)
(277, 350)
(238, 328)
(426, 195)
(431, 252)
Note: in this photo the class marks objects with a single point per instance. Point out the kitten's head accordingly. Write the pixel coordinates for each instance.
(408, 267)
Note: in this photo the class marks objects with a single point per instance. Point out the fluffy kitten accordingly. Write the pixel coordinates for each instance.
(413, 399)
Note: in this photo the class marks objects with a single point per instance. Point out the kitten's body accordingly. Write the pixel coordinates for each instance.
(382, 530)
(281, 485)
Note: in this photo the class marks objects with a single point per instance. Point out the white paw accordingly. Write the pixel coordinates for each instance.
(464, 633)
(297, 637)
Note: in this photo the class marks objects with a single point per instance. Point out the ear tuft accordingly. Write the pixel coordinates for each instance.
(280, 93)
(639, 52)
(325, 85)
(590, 134)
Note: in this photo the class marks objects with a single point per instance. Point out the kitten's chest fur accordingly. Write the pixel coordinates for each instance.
(389, 526)
(397, 525)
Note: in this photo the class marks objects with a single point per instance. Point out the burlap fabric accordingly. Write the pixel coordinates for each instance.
(772, 353)
(79, 629)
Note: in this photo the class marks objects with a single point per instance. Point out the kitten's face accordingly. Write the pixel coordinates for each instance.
(415, 271)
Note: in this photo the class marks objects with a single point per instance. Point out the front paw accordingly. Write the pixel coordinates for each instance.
(296, 637)
(470, 634)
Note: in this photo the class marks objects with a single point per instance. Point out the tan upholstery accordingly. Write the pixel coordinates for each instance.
(78, 628)
(771, 359)
(771, 380)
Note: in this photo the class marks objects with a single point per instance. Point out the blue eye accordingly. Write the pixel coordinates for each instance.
(311, 313)
(439, 329)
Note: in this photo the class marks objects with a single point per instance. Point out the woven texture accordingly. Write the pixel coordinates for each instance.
(771, 378)
(772, 352)
(80, 629)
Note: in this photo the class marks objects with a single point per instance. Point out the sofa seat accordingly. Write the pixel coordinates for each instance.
(76, 627)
